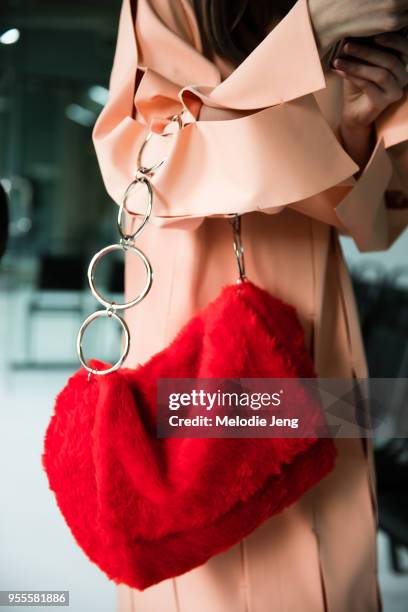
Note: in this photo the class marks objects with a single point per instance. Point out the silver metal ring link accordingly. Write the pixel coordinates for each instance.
(152, 169)
(91, 273)
(122, 208)
(125, 351)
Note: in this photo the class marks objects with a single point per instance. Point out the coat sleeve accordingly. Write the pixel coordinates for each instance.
(375, 211)
(282, 152)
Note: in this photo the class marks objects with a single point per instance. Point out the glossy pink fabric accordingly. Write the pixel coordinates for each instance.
(282, 164)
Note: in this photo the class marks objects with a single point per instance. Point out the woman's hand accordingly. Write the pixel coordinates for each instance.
(336, 19)
(374, 78)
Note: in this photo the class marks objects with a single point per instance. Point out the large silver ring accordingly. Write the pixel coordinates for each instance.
(125, 351)
(123, 209)
(150, 170)
(91, 273)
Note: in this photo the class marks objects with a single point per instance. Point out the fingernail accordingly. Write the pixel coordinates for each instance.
(339, 63)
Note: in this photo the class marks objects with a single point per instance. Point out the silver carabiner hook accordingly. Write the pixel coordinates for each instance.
(238, 246)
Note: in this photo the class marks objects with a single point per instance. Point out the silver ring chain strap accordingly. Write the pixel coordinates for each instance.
(126, 242)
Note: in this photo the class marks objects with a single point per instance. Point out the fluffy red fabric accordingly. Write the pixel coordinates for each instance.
(145, 509)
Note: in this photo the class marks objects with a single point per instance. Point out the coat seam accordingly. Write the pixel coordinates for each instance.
(244, 568)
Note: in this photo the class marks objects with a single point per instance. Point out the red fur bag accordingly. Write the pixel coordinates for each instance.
(146, 509)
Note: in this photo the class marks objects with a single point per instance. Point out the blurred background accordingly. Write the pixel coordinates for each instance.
(55, 60)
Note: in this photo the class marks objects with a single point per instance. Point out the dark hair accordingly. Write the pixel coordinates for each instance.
(233, 28)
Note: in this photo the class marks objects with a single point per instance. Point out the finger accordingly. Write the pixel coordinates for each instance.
(375, 99)
(394, 41)
(379, 76)
(380, 58)
(368, 87)
(361, 83)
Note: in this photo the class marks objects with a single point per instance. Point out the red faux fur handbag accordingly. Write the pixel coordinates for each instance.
(145, 508)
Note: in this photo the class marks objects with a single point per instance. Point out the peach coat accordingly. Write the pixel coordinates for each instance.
(281, 164)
